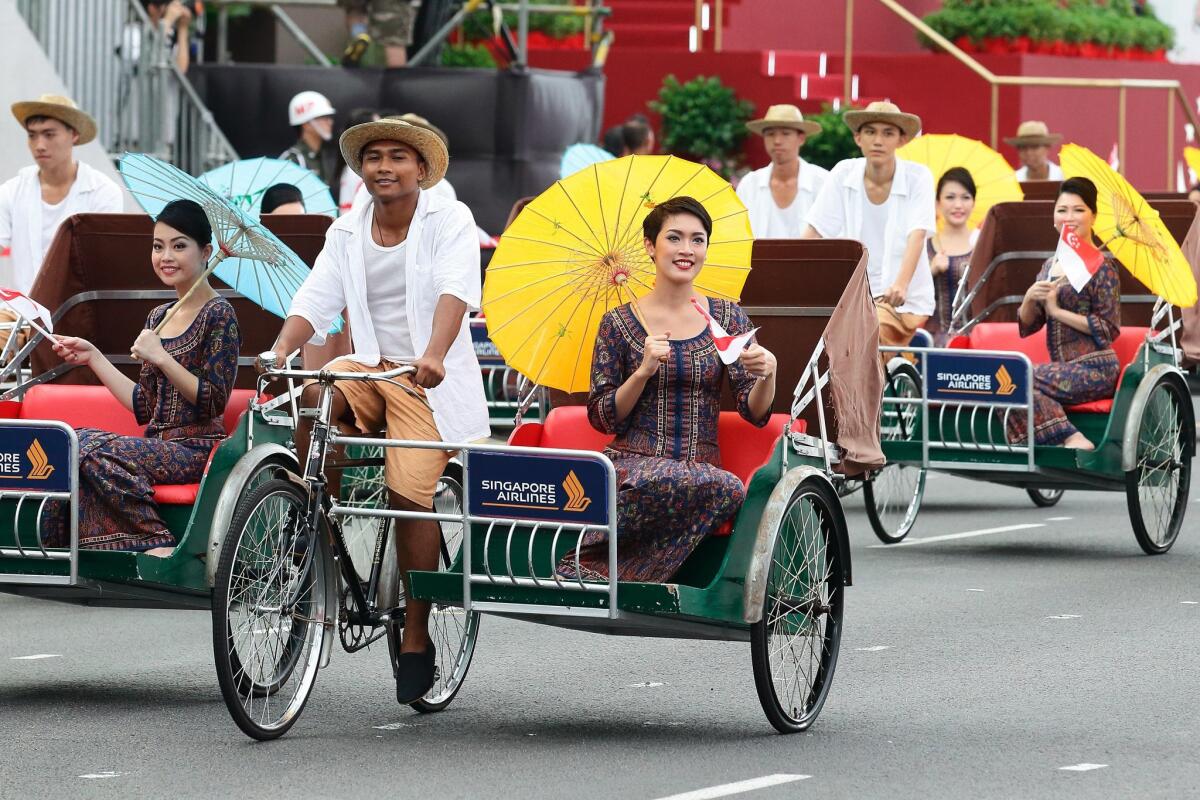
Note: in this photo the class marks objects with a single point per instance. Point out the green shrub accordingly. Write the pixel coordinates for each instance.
(479, 25)
(474, 56)
(834, 143)
(702, 119)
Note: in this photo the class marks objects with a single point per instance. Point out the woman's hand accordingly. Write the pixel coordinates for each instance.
(655, 352)
(148, 348)
(1050, 301)
(759, 361)
(1038, 292)
(939, 263)
(73, 350)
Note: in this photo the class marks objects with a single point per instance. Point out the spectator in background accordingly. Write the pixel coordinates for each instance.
(174, 20)
(614, 141)
(1033, 142)
(312, 116)
(638, 136)
(388, 22)
(55, 186)
(282, 198)
(779, 195)
(348, 182)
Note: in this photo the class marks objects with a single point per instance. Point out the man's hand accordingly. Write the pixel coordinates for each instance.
(431, 371)
(895, 295)
(267, 360)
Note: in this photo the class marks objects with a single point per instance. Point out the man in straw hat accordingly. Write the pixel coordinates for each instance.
(887, 204)
(779, 195)
(405, 267)
(1033, 142)
(442, 187)
(35, 202)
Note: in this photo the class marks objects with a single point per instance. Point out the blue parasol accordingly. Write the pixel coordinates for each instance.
(246, 255)
(578, 156)
(243, 183)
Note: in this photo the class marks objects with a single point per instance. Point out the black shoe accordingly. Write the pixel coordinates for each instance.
(355, 50)
(415, 673)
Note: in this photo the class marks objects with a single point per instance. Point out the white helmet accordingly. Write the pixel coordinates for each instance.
(308, 106)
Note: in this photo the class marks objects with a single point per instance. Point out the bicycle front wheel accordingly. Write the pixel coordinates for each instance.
(268, 610)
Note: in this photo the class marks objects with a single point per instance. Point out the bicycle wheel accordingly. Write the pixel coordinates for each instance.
(794, 647)
(1044, 498)
(1156, 489)
(268, 610)
(893, 494)
(453, 631)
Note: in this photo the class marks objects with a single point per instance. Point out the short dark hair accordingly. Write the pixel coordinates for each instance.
(635, 133)
(187, 217)
(958, 175)
(278, 195)
(35, 119)
(614, 140)
(1083, 188)
(654, 221)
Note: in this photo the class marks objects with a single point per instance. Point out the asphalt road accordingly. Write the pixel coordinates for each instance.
(979, 666)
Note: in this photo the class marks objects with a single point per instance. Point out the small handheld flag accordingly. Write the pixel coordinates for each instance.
(729, 348)
(1079, 259)
(29, 310)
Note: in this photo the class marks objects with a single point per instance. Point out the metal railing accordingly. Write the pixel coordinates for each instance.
(119, 68)
(1173, 88)
(704, 23)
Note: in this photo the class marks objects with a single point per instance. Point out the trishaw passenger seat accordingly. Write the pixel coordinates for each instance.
(1005, 336)
(744, 448)
(95, 407)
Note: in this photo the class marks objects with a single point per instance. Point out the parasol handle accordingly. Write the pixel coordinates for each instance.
(217, 259)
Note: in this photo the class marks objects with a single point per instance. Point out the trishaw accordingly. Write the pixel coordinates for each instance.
(946, 409)
(263, 544)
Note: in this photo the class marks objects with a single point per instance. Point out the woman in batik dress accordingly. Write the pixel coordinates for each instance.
(187, 373)
(1080, 329)
(656, 385)
(950, 248)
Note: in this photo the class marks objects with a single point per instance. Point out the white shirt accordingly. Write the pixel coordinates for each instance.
(839, 213)
(387, 295)
(1056, 173)
(442, 258)
(348, 186)
(23, 215)
(767, 220)
(874, 238)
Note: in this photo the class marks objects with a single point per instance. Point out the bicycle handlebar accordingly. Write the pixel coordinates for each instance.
(327, 376)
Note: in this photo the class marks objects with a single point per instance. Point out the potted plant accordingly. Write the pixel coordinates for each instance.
(835, 142)
(703, 120)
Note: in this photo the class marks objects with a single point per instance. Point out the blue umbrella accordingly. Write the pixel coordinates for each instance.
(243, 183)
(578, 156)
(246, 255)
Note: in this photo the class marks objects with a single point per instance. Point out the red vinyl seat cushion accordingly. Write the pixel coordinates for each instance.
(744, 447)
(95, 407)
(1006, 336)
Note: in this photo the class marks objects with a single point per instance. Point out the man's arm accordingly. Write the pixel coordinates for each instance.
(811, 233)
(897, 293)
(447, 322)
(295, 332)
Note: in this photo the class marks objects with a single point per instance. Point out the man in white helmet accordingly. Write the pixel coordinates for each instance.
(312, 115)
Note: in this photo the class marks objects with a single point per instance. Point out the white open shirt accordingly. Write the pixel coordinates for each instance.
(442, 257)
(838, 213)
(755, 192)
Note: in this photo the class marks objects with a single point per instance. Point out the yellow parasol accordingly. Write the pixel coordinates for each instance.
(1132, 230)
(995, 181)
(575, 252)
(1192, 156)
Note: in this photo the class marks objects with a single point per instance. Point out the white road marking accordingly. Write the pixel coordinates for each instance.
(975, 590)
(741, 787)
(663, 724)
(1058, 519)
(100, 775)
(1084, 767)
(874, 649)
(393, 726)
(964, 535)
(1063, 616)
(647, 685)
(37, 657)
(1189, 602)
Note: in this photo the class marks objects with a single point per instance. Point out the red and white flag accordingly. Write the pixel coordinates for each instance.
(27, 309)
(729, 348)
(1079, 259)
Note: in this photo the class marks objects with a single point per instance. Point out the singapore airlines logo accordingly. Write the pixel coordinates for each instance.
(1005, 381)
(577, 499)
(39, 461)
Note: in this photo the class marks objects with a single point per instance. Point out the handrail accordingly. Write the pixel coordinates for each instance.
(704, 22)
(1173, 88)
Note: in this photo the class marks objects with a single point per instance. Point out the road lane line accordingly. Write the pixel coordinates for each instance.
(741, 787)
(964, 535)
(1058, 519)
(1085, 767)
(877, 648)
(36, 657)
(91, 776)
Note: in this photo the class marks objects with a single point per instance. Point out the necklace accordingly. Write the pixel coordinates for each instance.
(379, 231)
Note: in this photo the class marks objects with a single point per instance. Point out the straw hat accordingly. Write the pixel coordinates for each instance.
(60, 108)
(888, 113)
(427, 143)
(421, 122)
(1031, 133)
(783, 116)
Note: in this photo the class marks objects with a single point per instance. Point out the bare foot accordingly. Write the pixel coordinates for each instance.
(160, 552)
(1077, 441)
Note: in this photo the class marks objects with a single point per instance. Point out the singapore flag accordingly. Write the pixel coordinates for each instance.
(1079, 259)
(729, 348)
(27, 309)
